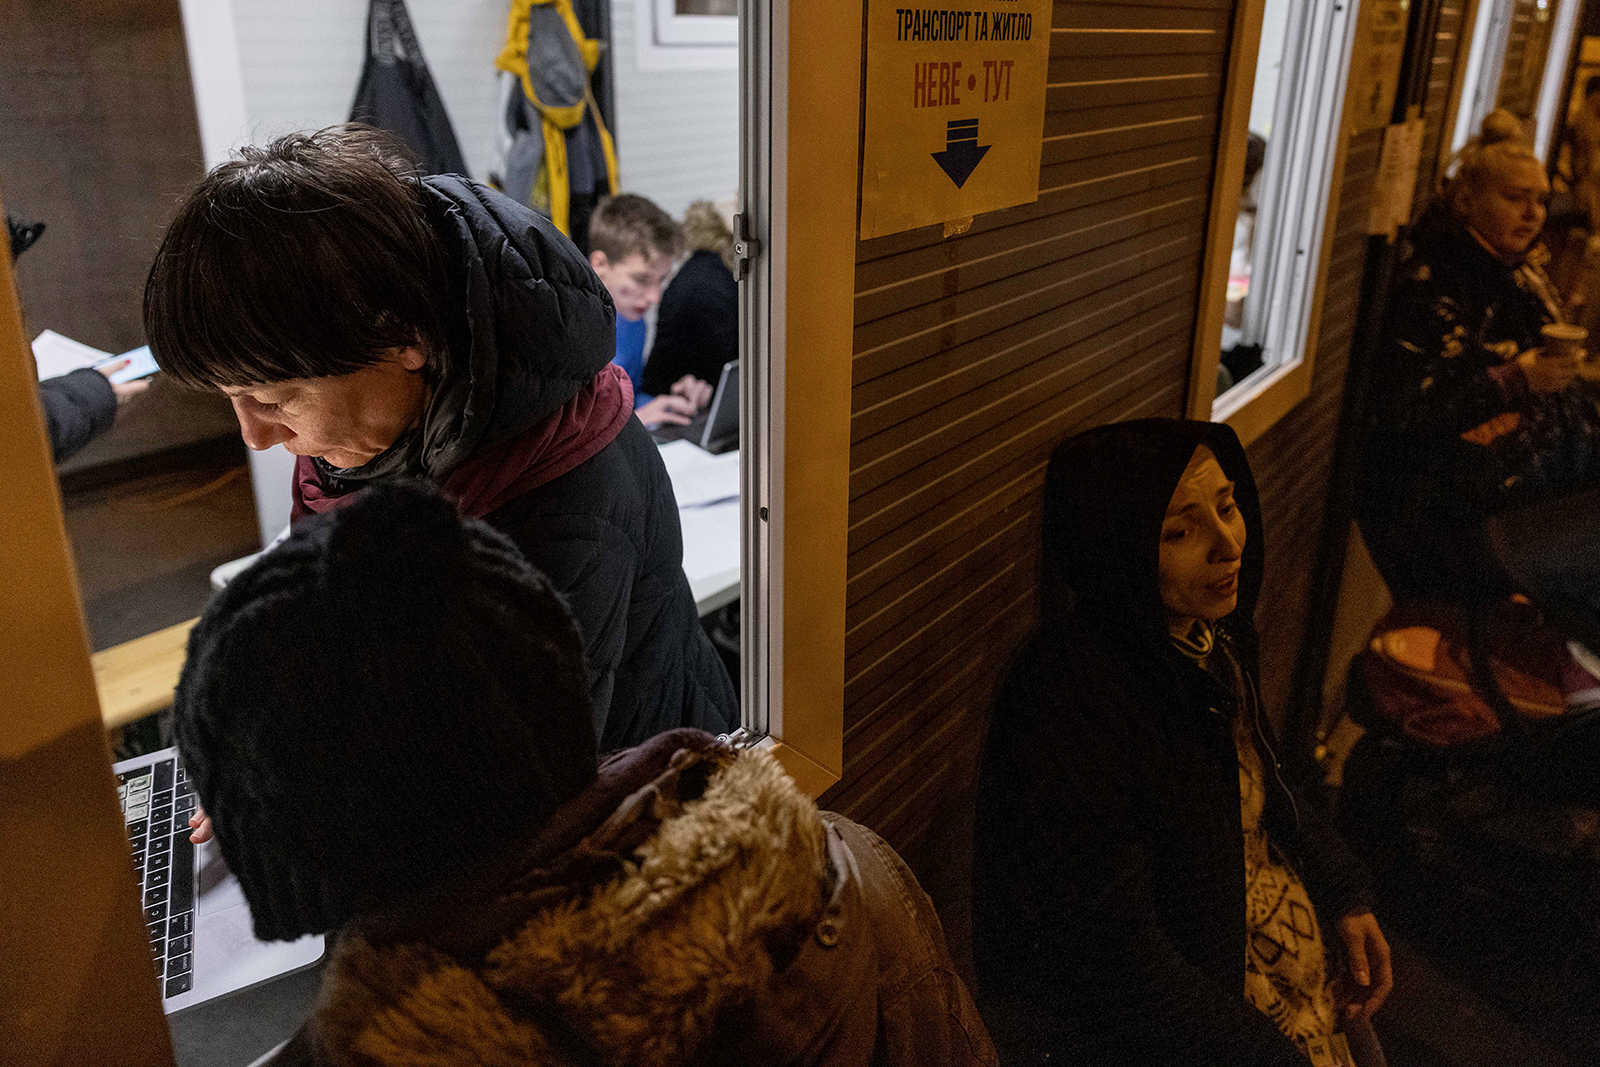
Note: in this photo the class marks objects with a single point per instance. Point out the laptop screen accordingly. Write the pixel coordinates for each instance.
(722, 423)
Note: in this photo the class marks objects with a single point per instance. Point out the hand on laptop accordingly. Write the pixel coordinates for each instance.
(666, 410)
(694, 390)
(200, 823)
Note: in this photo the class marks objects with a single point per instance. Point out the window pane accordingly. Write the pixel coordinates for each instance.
(706, 7)
(1243, 349)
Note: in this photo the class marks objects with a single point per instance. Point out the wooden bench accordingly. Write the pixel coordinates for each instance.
(138, 677)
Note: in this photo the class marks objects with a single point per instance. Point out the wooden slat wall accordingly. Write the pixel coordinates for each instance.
(975, 355)
(1449, 43)
(1526, 47)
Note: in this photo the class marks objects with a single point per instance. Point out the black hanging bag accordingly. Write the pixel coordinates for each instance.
(396, 92)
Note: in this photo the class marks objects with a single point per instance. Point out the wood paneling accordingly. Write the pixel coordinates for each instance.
(975, 355)
(83, 992)
(1449, 56)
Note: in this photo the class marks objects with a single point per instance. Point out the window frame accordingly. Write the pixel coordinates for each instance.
(667, 40)
(792, 647)
(673, 28)
(1301, 180)
(1480, 83)
(1551, 111)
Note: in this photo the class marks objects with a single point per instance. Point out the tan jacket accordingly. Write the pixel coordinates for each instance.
(713, 916)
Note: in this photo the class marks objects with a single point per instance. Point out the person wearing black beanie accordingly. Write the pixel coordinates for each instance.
(443, 683)
(388, 720)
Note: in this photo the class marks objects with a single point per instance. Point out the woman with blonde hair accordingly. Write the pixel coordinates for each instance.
(1472, 415)
(697, 326)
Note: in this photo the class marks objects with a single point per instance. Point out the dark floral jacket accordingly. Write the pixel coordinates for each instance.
(1455, 434)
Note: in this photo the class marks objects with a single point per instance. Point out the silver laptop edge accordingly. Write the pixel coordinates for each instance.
(227, 957)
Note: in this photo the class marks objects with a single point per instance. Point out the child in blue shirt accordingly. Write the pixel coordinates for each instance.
(633, 244)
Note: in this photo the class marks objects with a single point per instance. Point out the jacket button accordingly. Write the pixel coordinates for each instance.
(828, 932)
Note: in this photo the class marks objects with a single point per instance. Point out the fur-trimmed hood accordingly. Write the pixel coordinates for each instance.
(625, 948)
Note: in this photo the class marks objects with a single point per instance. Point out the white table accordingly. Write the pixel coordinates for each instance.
(707, 488)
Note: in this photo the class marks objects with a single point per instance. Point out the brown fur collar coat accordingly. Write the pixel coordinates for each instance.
(690, 907)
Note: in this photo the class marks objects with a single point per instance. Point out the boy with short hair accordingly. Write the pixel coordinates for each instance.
(388, 718)
(633, 245)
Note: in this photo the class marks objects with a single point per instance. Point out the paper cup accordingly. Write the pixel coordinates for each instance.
(1562, 339)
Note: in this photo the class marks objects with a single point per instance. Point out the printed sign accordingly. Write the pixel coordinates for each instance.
(1375, 67)
(955, 111)
(1396, 187)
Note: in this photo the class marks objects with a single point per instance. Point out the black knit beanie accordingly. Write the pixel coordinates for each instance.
(390, 696)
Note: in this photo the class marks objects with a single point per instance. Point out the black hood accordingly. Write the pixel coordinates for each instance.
(1105, 496)
(530, 325)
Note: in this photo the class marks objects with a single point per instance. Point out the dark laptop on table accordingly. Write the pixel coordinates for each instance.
(716, 429)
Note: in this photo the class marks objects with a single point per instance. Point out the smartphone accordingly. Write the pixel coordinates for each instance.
(141, 364)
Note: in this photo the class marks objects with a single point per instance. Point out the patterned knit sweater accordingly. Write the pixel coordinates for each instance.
(1286, 974)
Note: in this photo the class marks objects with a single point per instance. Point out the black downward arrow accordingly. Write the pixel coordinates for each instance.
(962, 152)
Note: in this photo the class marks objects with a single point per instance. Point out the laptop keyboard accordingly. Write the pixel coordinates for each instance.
(156, 804)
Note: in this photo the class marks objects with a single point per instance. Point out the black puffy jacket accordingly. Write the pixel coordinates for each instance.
(1454, 434)
(536, 326)
(697, 325)
(1109, 881)
(77, 408)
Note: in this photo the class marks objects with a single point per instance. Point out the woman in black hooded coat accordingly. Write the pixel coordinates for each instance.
(1112, 920)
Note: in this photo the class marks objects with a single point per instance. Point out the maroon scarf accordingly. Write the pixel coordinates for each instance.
(495, 475)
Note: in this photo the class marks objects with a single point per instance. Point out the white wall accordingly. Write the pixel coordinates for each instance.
(677, 130)
(300, 61)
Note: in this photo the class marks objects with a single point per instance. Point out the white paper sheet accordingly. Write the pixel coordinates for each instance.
(683, 456)
(141, 364)
(698, 477)
(711, 553)
(57, 355)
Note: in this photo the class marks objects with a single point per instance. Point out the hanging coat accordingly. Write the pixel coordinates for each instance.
(553, 146)
(396, 92)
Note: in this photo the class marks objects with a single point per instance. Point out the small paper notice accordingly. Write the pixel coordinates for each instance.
(1396, 186)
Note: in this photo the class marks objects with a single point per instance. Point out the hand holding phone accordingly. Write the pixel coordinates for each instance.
(129, 367)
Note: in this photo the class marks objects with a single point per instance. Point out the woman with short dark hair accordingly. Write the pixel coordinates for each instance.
(381, 324)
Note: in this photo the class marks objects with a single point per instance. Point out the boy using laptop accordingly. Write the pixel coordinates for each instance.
(633, 244)
(388, 719)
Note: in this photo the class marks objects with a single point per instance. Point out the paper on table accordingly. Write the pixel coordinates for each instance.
(710, 548)
(700, 479)
(57, 355)
(682, 456)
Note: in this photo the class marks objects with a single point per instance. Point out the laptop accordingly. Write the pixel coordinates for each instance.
(717, 428)
(201, 942)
